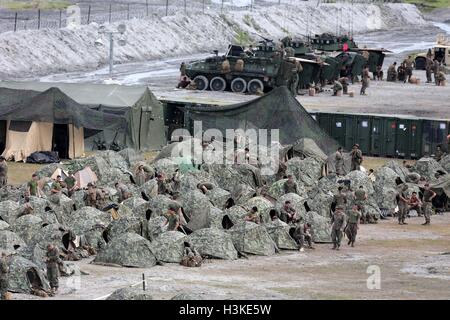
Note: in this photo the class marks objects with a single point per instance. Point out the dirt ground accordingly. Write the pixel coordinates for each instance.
(413, 260)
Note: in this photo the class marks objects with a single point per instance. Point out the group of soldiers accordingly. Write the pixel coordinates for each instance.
(405, 71)
(341, 84)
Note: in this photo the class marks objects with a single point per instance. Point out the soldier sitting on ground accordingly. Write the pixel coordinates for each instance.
(253, 216)
(184, 82)
(290, 186)
(302, 234)
(94, 197)
(191, 258)
(287, 213)
(415, 204)
(392, 73)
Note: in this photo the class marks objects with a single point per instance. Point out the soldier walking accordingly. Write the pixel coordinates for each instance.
(4, 277)
(340, 198)
(351, 229)
(53, 261)
(338, 221)
(428, 196)
(365, 81)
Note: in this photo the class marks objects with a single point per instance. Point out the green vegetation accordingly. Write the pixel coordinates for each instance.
(428, 5)
(242, 38)
(35, 4)
(248, 20)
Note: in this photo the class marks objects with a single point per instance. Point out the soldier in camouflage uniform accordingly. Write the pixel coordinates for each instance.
(53, 261)
(173, 219)
(301, 234)
(287, 212)
(290, 186)
(428, 69)
(163, 186)
(4, 275)
(191, 258)
(428, 196)
(253, 216)
(351, 229)
(402, 204)
(3, 172)
(339, 162)
(357, 157)
(365, 81)
(340, 198)
(360, 200)
(338, 222)
(95, 198)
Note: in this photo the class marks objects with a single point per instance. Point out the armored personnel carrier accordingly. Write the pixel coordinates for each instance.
(258, 70)
(327, 42)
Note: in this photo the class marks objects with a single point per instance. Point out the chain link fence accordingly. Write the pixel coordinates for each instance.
(112, 11)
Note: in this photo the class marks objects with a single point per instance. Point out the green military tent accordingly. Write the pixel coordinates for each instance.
(278, 109)
(143, 112)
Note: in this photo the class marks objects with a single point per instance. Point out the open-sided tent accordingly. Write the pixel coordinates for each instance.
(276, 110)
(41, 121)
(143, 112)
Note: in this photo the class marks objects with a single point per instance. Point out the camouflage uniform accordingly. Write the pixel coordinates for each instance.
(290, 187)
(53, 262)
(337, 87)
(402, 206)
(163, 187)
(3, 173)
(173, 220)
(191, 258)
(360, 200)
(4, 281)
(95, 198)
(338, 220)
(302, 234)
(340, 199)
(391, 73)
(365, 81)
(285, 214)
(339, 163)
(427, 205)
(408, 67)
(428, 69)
(357, 158)
(351, 229)
(436, 71)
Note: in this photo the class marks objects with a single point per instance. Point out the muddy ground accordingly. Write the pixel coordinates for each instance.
(414, 262)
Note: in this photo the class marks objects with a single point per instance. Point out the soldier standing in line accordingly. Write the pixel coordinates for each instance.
(338, 221)
(365, 81)
(351, 230)
(4, 276)
(53, 261)
(428, 196)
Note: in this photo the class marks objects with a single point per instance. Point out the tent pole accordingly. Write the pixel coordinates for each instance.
(73, 139)
(140, 126)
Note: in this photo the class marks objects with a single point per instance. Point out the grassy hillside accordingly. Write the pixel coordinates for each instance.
(34, 4)
(428, 5)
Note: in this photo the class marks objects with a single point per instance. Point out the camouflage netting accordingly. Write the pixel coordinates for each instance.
(264, 206)
(130, 294)
(4, 225)
(279, 232)
(251, 238)
(306, 171)
(24, 275)
(213, 243)
(445, 162)
(10, 241)
(127, 250)
(321, 227)
(27, 227)
(169, 246)
(428, 168)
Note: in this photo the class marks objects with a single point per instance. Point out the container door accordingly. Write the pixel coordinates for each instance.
(388, 137)
(402, 138)
(338, 131)
(363, 134)
(376, 142)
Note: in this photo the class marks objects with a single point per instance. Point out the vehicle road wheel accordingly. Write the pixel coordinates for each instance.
(201, 82)
(217, 84)
(255, 85)
(238, 85)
